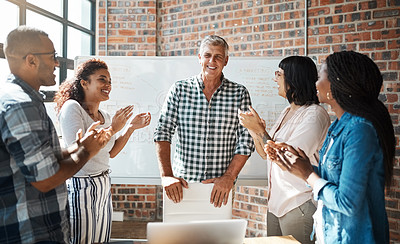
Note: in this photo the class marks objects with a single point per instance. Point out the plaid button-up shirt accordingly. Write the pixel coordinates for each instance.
(208, 132)
(29, 152)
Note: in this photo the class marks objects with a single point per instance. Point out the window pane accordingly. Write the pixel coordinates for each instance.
(78, 43)
(79, 12)
(53, 6)
(70, 74)
(51, 27)
(8, 19)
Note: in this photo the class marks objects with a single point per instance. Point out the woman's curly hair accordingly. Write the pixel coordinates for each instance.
(72, 89)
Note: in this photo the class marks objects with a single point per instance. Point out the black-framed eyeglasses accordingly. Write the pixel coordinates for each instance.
(278, 73)
(54, 55)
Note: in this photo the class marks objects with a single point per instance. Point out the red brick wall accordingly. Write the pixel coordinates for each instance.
(138, 202)
(251, 204)
(131, 28)
(260, 28)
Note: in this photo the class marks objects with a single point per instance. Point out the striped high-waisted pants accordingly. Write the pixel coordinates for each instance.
(90, 208)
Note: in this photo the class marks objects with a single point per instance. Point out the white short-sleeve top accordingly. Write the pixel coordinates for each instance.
(73, 117)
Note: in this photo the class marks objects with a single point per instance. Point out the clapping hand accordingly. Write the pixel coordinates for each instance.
(290, 159)
(120, 118)
(94, 139)
(251, 120)
(140, 121)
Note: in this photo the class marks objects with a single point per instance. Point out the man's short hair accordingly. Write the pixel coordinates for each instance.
(214, 40)
(22, 41)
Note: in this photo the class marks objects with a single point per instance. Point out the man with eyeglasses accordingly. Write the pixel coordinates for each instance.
(33, 167)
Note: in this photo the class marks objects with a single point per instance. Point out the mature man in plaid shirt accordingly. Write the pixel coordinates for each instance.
(212, 146)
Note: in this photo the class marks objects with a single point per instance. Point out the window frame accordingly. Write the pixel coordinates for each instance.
(65, 63)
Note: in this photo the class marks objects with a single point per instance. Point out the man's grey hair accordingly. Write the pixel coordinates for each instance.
(22, 41)
(214, 40)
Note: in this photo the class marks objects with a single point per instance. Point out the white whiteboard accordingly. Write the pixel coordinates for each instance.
(145, 81)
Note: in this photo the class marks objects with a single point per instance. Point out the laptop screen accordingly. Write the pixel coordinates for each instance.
(230, 231)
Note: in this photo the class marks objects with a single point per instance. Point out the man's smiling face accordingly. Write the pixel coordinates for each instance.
(212, 60)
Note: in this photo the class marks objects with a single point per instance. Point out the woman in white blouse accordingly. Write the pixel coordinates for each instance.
(89, 190)
(303, 124)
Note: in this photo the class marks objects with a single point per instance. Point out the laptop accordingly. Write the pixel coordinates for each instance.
(230, 231)
(195, 205)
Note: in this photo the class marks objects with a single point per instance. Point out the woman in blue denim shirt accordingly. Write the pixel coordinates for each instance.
(357, 157)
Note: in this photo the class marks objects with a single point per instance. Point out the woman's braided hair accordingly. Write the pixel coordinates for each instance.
(355, 84)
(72, 89)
